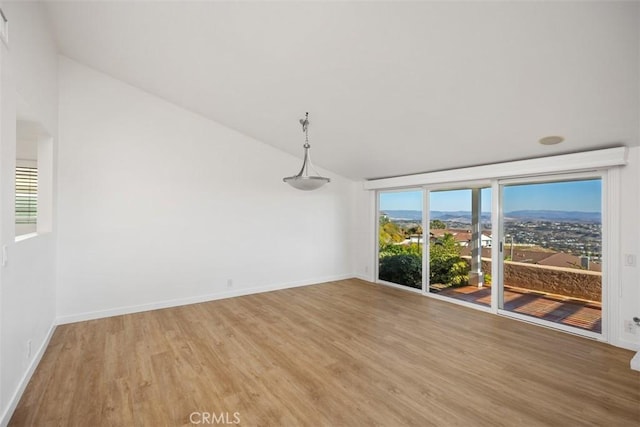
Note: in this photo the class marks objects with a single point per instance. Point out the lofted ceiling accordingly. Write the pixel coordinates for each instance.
(392, 88)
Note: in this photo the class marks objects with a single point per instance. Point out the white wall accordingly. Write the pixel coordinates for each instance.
(626, 293)
(159, 206)
(27, 282)
(364, 229)
(27, 142)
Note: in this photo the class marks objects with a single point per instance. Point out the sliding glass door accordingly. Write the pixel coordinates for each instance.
(530, 248)
(551, 252)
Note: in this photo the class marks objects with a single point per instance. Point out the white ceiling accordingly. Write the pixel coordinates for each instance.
(392, 88)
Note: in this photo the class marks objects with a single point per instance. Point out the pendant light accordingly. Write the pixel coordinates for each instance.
(304, 181)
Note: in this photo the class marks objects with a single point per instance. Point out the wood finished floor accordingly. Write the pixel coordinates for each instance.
(345, 353)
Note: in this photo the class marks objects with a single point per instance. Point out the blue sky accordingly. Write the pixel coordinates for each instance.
(584, 196)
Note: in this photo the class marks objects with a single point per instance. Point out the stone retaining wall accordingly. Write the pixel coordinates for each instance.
(555, 280)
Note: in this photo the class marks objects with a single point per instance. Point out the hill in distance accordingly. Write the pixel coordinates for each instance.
(572, 216)
(523, 215)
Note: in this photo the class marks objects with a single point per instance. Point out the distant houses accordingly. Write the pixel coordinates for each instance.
(528, 254)
(463, 237)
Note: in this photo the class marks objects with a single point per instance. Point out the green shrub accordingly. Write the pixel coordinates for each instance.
(403, 269)
(445, 264)
(402, 264)
(410, 249)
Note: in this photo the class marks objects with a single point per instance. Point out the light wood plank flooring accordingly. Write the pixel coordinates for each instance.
(345, 353)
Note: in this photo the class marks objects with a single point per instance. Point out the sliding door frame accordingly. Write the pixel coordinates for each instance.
(609, 162)
(610, 233)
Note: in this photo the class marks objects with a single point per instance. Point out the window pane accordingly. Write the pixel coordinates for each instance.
(400, 238)
(460, 244)
(26, 195)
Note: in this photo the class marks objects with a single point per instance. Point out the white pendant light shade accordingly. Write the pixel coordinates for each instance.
(304, 181)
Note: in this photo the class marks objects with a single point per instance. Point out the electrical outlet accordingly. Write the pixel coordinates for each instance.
(629, 326)
(630, 260)
(366, 268)
(229, 283)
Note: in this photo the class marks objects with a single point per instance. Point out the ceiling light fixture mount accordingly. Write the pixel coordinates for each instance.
(304, 181)
(551, 140)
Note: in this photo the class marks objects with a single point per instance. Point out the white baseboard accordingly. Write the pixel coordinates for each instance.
(81, 317)
(635, 362)
(627, 345)
(366, 278)
(22, 385)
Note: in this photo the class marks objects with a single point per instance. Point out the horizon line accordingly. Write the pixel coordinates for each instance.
(488, 212)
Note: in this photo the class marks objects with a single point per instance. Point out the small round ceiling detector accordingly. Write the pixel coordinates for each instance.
(551, 140)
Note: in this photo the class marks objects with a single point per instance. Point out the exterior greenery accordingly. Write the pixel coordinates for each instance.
(401, 262)
(403, 269)
(437, 225)
(445, 264)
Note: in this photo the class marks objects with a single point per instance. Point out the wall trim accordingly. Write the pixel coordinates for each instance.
(635, 362)
(611, 267)
(588, 160)
(24, 381)
(100, 314)
(626, 344)
(364, 277)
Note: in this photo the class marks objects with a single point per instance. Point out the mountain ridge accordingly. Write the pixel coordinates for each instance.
(525, 214)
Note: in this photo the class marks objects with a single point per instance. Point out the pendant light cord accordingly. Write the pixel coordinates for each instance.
(305, 128)
(307, 146)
